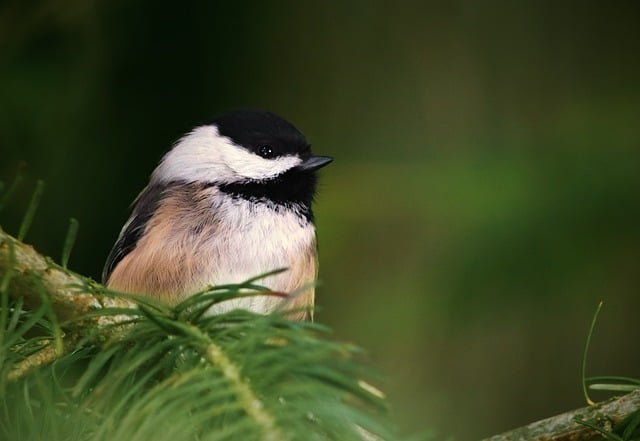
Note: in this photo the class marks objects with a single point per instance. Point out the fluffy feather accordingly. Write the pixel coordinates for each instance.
(216, 212)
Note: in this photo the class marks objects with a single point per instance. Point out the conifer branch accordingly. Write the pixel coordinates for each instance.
(72, 296)
(252, 405)
(177, 373)
(28, 276)
(48, 354)
(578, 425)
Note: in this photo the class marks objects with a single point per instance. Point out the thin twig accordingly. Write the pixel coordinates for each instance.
(48, 354)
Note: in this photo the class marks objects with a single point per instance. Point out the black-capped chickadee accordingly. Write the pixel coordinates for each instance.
(231, 200)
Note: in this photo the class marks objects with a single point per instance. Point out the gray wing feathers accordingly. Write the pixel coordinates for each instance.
(144, 206)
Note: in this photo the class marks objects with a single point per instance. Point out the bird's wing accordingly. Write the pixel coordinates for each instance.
(144, 206)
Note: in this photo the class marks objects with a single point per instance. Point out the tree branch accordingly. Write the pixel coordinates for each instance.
(26, 274)
(72, 295)
(565, 428)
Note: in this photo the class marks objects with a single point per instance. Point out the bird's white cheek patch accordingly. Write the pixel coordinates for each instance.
(250, 165)
(205, 156)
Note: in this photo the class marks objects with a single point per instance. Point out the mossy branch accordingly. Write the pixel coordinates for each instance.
(580, 424)
(72, 296)
(33, 279)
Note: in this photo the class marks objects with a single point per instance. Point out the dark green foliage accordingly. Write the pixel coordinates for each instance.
(178, 374)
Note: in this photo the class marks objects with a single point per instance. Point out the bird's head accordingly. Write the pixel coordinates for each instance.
(239, 147)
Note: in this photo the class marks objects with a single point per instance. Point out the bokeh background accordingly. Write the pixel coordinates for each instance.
(484, 197)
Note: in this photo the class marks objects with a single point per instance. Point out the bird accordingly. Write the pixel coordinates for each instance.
(231, 200)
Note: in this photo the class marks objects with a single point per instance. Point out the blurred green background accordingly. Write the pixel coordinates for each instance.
(484, 195)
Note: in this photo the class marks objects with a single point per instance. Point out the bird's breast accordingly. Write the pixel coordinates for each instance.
(252, 239)
(217, 240)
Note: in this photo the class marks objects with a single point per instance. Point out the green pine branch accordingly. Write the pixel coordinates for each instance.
(79, 362)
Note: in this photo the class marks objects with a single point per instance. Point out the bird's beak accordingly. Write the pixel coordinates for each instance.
(315, 162)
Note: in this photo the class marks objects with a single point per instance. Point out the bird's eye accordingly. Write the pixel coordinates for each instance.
(265, 151)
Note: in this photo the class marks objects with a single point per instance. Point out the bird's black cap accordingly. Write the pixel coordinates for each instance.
(256, 129)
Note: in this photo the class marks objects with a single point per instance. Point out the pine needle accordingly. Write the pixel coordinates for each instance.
(69, 241)
(31, 210)
(584, 355)
(6, 195)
